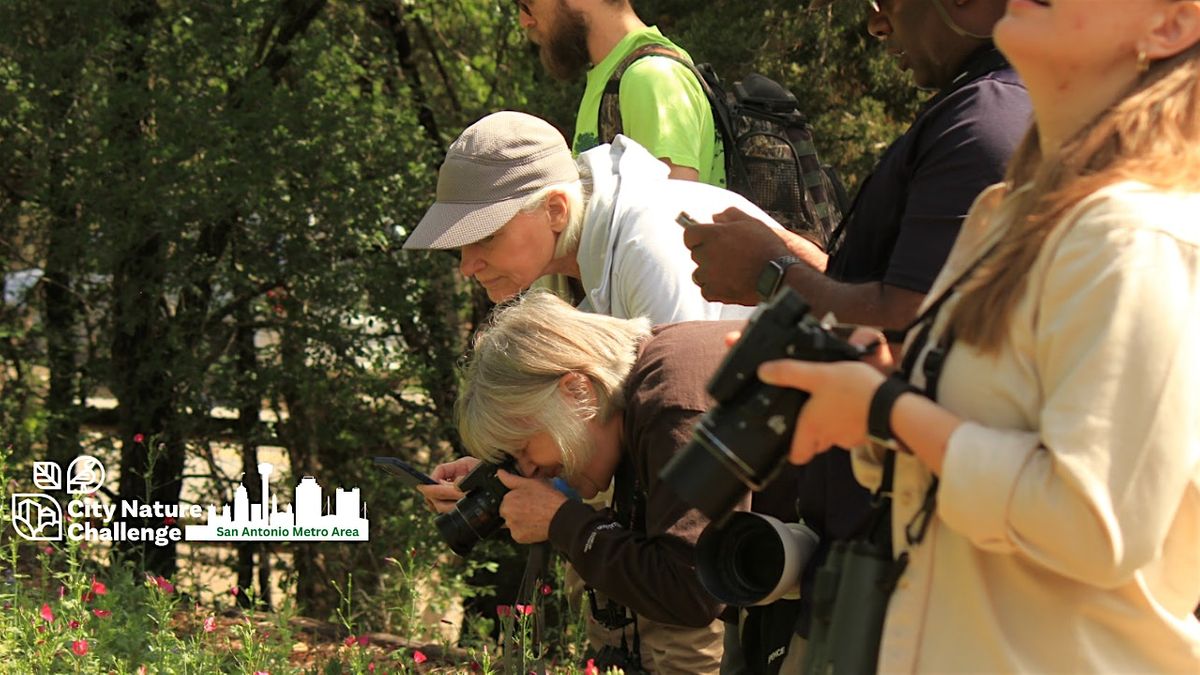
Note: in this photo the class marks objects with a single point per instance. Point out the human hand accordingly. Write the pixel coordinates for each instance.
(882, 358)
(730, 254)
(442, 497)
(529, 507)
(839, 398)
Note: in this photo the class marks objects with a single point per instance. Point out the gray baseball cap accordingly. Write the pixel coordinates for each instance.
(489, 172)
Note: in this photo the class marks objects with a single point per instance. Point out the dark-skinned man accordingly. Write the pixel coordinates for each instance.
(895, 238)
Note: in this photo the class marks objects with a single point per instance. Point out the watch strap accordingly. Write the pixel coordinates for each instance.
(879, 414)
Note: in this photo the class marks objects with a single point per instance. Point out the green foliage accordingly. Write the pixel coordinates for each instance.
(216, 194)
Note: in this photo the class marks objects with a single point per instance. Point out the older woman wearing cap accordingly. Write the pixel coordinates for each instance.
(519, 207)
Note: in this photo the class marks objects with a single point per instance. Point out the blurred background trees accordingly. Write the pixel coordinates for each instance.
(201, 212)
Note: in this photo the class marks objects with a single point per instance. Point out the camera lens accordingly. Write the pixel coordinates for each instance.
(700, 476)
(474, 517)
(753, 559)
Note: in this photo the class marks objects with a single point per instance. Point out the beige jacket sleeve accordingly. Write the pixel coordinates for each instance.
(1092, 494)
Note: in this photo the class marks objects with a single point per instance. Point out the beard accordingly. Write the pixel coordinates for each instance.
(565, 53)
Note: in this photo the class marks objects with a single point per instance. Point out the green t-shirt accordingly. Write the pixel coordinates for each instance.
(662, 107)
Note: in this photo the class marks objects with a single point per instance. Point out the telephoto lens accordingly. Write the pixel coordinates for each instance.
(477, 515)
(753, 559)
(741, 442)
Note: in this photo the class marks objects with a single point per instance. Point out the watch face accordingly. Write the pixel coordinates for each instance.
(768, 280)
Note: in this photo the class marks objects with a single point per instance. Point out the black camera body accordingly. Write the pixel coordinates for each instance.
(477, 515)
(741, 442)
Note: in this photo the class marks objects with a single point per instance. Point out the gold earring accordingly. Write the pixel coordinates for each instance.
(1143, 62)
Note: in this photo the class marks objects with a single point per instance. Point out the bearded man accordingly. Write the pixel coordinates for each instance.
(662, 105)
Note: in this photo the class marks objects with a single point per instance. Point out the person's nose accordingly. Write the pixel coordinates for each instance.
(472, 261)
(528, 468)
(877, 23)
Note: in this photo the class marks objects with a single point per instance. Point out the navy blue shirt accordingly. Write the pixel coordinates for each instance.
(904, 221)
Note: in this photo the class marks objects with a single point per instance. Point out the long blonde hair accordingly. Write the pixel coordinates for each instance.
(1151, 135)
(510, 389)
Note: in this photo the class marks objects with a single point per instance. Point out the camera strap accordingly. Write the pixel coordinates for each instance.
(931, 368)
(629, 510)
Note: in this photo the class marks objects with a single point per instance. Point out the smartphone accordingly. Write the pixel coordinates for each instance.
(401, 469)
(685, 220)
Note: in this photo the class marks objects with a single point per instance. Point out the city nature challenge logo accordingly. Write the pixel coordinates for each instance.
(37, 516)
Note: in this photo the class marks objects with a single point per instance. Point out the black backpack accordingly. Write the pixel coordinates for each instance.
(770, 157)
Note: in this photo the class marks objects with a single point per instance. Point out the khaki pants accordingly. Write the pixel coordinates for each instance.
(666, 649)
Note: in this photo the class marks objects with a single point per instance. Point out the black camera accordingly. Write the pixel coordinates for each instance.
(753, 559)
(477, 515)
(742, 441)
(619, 659)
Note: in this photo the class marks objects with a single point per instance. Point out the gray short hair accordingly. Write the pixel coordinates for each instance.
(510, 388)
(578, 194)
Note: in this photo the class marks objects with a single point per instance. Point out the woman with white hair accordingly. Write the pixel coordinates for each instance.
(599, 401)
(518, 207)
(1046, 487)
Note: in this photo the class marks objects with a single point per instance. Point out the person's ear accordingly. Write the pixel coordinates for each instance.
(1174, 30)
(558, 210)
(576, 387)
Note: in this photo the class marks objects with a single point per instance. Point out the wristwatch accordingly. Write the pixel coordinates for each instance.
(771, 277)
(879, 415)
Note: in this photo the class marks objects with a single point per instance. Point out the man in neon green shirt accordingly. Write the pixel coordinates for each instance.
(663, 107)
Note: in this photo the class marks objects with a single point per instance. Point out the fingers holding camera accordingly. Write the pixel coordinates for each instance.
(881, 357)
(836, 412)
(441, 498)
(529, 507)
(454, 471)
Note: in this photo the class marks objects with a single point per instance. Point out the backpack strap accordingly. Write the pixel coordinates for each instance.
(608, 121)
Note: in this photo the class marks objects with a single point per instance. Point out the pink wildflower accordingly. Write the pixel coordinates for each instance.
(169, 520)
(591, 668)
(48, 550)
(73, 623)
(138, 438)
(101, 613)
(62, 590)
(80, 647)
(503, 610)
(233, 591)
(164, 585)
(98, 587)
(546, 590)
(419, 656)
(371, 667)
(141, 670)
(350, 641)
(47, 613)
(525, 609)
(210, 624)
(261, 672)
(363, 640)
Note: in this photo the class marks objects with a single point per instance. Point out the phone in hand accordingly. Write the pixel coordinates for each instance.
(685, 220)
(401, 469)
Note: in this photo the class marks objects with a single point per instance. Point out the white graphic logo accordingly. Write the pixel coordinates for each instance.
(255, 522)
(47, 476)
(85, 475)
(39, 517)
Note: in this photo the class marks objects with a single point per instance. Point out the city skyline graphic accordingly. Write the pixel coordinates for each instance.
(342, 519)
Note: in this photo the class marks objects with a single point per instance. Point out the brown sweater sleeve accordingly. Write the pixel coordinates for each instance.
(652, 573)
